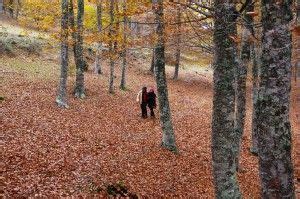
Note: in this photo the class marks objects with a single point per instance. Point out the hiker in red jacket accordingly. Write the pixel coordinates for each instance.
(142, 98)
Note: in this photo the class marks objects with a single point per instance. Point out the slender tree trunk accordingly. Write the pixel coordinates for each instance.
(61, 99)
(11, 8)
(274, 128)
(256, 71)
(168, 140)
(76, 47)
(153, 50)
(99, 45)
(18, 7)
(4, 6)
(124, 48)
(80, 63)
(178, 40)
(117, 29)
(241, 79)
(111, 47)
(152, 61)
(72, 25)
(255, 88)
(1, 6)
(223, 134)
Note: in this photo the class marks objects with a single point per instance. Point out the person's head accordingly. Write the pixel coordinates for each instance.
(151, 90)
(144, 89)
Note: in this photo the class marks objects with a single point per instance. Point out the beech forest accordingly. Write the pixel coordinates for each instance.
(133, 99)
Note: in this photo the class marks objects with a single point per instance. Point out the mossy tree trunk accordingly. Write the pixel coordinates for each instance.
(152, 61)
(223, 134)
(99, 45)
(61, 99)
(111, 47)
(241, 78)
(255, 87)
(124, 48)
(168, 140)
(78, 52)
(274, 128)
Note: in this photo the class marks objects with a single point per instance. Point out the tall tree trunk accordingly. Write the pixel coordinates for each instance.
(168, 140)
(99, 45)
(255, 87)
(223, 134)
(178, 40)
(72, 25)
(61, 98)
(256, 70)
(111, 47)
(80, 63)
(241, 79)
(153, 49)
(18, 7)
(274, 128)
(117, 21)
(1, 6)
(11, 8)
(124, 48)
(152, 61)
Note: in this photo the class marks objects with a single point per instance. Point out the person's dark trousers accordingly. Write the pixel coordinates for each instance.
(152, 111)
(144, 110)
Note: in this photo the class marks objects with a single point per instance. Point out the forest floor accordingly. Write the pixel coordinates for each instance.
(102, 140)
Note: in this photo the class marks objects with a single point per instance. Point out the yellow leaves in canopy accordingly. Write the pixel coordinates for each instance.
(90, 17)
(40, 14)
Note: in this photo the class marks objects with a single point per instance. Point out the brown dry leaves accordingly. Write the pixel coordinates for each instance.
(51, 152)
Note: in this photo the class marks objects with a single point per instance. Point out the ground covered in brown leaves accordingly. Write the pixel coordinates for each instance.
(102, 140)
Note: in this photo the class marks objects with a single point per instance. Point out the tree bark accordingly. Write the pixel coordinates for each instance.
(80, 63)
(241, 79)
(255, 88)
(124, 48)
(1, 6)
(223, 134)
(117, 25)
(18, 7)
(72, 24)
(111, 47)
(99, 45)
(11, 8)
(61, 98)
(178, 40)
(168, 140)
(152, 61)
(274, 128)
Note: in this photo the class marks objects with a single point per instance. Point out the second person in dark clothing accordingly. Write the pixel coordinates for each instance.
(151, 101)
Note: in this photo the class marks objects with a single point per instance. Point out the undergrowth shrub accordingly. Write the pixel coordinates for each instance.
(11, 43)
